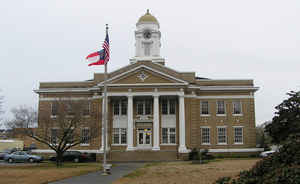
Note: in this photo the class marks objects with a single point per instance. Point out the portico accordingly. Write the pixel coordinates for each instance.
(146, 118)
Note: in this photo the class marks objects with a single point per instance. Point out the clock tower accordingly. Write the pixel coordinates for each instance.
(147, 40)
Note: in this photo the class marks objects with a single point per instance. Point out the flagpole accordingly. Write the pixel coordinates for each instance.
(105, 115)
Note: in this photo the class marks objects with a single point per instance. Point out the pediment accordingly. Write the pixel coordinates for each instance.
(144, 75)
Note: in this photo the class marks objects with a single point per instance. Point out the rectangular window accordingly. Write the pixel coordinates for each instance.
(164, 106)
(69, 109)
(123, 107)
(205, 135)
(148, 107)
(86, 109)
(119, 136)
(238, 135)
(168, 106)
(222, 135)
(140, 107)
(204, 109)
(220, 107)
(237, 107)
(85, 136)
(116, 108)
(168, 135)
(54, 108)
(53, 136)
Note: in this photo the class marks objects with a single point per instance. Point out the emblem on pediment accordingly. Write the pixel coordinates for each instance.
(142, 76)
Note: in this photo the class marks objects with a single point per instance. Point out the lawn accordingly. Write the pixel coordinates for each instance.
(186, 172)
(44, 172)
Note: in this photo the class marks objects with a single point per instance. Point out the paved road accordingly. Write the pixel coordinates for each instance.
(118, 171)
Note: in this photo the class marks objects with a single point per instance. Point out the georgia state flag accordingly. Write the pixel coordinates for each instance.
(96, 58)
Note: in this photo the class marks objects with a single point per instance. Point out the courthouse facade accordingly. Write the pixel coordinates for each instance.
(158, 113)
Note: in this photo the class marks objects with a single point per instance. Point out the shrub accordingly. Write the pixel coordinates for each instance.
(281, 167)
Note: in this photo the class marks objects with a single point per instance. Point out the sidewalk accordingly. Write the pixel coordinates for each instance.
(117, 172)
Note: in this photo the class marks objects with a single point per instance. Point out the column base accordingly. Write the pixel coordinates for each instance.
(183, 149)
(130, 148)
(156, 148)
(102, 149)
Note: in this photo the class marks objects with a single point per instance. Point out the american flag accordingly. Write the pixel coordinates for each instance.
(106, 49)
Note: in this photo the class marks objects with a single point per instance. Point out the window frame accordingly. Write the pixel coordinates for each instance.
(218, 135)
(202, 135)
(201, 108)
(82, 136)
(168, 106)
(235, 136)
(121, 104)
(52, 137)
(54, 104)
(120, 133)
(217, 108)
(233, 108)
(169, 133)
(143, 103)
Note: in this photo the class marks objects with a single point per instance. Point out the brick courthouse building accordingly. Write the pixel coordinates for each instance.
(158, 113)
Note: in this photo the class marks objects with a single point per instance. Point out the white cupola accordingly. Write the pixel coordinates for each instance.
(147, 40)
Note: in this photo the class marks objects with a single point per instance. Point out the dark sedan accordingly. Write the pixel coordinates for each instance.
(73, 156)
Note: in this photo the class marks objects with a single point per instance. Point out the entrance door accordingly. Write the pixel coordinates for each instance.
(144, 138)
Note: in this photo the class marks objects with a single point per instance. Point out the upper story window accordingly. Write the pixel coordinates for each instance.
(237, 107)
(120, 107)
(168, 106)
(54, 108)
(86, 109)
(204, 108)
(221, 107)
(144, 107)
(53, 135)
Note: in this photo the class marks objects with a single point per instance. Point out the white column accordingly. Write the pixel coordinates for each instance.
(130, 123)
(156, 123)
(182, 147)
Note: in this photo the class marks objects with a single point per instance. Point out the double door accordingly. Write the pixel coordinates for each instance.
(144, 137)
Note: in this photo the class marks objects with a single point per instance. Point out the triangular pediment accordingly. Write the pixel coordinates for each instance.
(146, 75)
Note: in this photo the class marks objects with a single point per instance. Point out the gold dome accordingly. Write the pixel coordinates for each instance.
(147, 18)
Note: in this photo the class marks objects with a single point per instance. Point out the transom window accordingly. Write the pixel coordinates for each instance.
(204, 108)
(168, 106)
(144, 107)
(237, 107)
(222, 135)
(120, 107)
(220, 107)
(205, 135)
(119, 136)
(238, 135)
(85, 136)
(168, 135)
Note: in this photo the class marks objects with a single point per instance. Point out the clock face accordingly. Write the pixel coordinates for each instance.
(147, 34)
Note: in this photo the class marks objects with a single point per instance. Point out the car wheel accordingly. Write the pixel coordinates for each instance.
(31, 160)
(10, 160)
(76, 160)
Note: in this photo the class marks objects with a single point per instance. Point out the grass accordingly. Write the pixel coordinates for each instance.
(44, 172)
(187, 172)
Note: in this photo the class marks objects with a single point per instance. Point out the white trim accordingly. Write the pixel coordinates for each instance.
(221, 97)
(238, 143)
(65, 98)
(163, 93)
(61, 90)
(225, 79)
(145, 84)
(235, 150)
(84, 144)
(52, 151)
(168, 144)
(223, 88)
(237, 114)
(201, 129)
(217, 107)
(143, 66)
(226, 136)
(241, 108)
(201, 114)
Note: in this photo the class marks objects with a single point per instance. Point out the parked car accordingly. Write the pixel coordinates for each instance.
(7, 151)
(22, 156)
(74, 156)
(266, 153)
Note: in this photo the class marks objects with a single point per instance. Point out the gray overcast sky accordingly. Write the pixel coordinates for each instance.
(227, 39)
